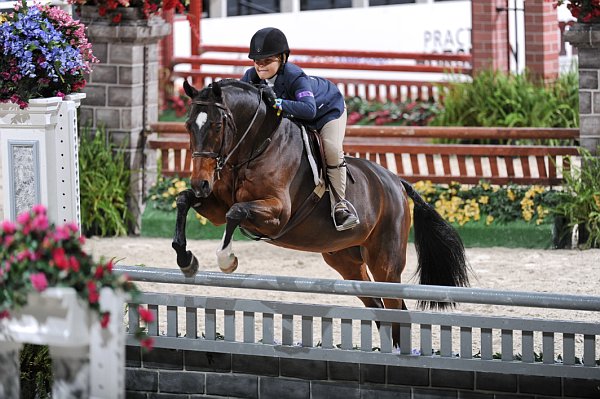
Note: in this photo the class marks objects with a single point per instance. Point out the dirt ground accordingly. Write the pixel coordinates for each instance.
(558, 271)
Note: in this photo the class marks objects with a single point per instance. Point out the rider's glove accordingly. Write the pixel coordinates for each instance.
(272, 100)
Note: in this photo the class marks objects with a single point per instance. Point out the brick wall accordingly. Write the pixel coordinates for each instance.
(177, 374)
(542, 39)
(489, 35)
(122, 90)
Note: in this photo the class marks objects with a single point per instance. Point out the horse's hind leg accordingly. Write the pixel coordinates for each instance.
(349, 264)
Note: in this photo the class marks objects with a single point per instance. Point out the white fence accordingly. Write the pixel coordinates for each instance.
(442, 340)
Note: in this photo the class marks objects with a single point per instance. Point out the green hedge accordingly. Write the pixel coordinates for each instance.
(516, 234)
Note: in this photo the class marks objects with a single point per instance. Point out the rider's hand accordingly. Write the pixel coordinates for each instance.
(271, 99)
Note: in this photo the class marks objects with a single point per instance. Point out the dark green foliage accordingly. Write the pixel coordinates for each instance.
(36, 372)
(104, 182)
(495, 99)
(579, 202)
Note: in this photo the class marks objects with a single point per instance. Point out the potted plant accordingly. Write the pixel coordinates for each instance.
(115, 11)
(45, 53)
(53, 293)
(45, 58)
(585, 11)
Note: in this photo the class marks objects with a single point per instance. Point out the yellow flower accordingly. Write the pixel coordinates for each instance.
(172, 191)
(201, 219)
(174, 204)
(485, 186)
(510, 194)
(484, 199)
(489, 219)
(2, 17)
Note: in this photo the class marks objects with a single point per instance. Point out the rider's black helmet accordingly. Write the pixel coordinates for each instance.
(267, 42)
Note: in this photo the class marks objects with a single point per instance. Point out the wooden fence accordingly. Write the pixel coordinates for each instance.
(411, 153)
(331, 63)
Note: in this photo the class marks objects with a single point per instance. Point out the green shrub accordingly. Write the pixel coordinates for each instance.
(104, 182)
(36, 371)
(579, 202)
(496, 99)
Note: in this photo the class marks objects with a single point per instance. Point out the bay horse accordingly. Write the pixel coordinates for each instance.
(249, 169)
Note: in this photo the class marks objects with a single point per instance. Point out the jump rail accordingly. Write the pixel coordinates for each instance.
(405, 150)
(347, 60)
(474, 333)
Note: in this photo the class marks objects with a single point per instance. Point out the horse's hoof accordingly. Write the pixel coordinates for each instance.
(192, 268)
(232, 265)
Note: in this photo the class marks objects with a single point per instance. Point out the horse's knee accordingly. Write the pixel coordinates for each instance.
(237, 213)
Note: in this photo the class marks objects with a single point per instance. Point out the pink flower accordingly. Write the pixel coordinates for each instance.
(93, 294)
(61, 233)
(40, 223)
(5, 314)
(39, 282)
(99, 272)
(146, 315)
(23, 218)
(8, 227)
(39, 209)
(74, 263)
(147, 343)
(105, 319)
(59, 258)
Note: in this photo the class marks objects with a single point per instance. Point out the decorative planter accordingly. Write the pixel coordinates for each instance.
(87, 360)
(39, 154)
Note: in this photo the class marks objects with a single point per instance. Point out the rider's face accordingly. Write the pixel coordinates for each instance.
(267, 67)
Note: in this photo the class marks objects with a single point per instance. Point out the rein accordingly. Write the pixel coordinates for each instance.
(222, 160)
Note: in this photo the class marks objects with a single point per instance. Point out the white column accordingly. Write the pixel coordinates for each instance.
(360, 3)
(217, 9)
(289, 5)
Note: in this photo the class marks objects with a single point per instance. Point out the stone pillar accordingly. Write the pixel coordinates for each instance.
(542, 40)
(489, 36)
(586, 37)
(123, 88)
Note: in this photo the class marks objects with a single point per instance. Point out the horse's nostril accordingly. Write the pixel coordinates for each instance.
(201, 188)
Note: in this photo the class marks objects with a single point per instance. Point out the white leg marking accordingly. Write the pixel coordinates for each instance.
(225, 257)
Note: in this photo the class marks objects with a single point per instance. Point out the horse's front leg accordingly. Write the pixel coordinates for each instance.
(262, 213)
(185, 259)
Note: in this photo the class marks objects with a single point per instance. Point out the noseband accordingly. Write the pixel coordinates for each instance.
(228, 116)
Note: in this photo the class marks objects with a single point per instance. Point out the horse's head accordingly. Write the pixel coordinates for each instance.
(211, 128)
(213, 134)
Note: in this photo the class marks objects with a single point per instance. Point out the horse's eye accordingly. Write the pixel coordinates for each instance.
(217, 125)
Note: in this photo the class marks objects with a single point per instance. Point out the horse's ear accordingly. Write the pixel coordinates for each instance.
(189, 89)
(216, 89)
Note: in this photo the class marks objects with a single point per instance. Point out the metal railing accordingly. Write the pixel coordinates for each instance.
(349, 334)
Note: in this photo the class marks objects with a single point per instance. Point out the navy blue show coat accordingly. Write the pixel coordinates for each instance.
(310, 99)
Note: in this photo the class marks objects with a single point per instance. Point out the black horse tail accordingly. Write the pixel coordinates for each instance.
(440, 250)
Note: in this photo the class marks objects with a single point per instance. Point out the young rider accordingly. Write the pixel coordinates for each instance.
(315, 101)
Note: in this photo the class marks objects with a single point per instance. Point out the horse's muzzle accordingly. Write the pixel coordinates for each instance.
(201, 188)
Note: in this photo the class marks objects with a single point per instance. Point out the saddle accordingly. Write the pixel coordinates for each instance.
(316, 155)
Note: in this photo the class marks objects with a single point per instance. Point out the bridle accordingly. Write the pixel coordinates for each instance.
(221, 158)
